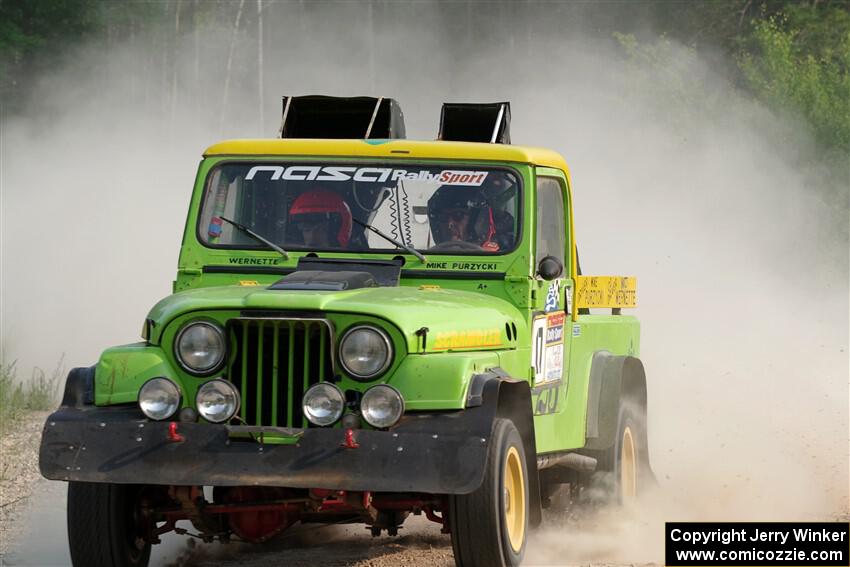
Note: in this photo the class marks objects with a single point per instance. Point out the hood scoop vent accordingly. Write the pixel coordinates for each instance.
(310, 280)
(340, 274)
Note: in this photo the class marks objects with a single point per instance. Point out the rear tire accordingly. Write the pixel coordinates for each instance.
(489, 526)
(104, 526)
(627, 461)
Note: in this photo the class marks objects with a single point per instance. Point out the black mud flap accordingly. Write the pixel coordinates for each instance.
(436, 453)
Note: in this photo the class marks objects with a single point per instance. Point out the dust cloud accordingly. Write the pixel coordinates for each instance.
(736, 234)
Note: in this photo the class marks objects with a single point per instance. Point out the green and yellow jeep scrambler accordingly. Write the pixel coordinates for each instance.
(362, 327)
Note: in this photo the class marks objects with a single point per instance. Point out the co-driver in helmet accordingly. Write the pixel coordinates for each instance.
(461, 218)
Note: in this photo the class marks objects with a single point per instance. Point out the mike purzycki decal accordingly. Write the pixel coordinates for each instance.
(333, 173)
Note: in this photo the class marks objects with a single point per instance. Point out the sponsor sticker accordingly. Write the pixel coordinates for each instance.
(468, 339)
(553, 296)
(333, 173)
(548, 347)
(464, 178)
(555, 328)
(554, 346)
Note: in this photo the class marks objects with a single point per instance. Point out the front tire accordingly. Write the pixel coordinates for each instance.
(489, 526)
(104, 526)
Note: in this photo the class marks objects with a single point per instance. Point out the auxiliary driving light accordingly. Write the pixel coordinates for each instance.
(382, 406)
(199, 347)
(217, 400)
(323, 404)
(365, 352)
(159, 398)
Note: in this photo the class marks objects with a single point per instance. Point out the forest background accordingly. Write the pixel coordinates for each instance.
(790, 55)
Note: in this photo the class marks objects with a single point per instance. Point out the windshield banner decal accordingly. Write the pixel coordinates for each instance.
(332, 173)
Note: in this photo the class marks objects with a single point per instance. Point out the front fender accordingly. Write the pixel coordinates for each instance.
(440, 381)
(122, 370)
(512, 399)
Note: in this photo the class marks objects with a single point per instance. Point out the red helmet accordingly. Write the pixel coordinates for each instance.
(325, 202)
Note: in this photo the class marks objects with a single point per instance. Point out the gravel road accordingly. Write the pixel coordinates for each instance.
(18, 476)
(419, 543)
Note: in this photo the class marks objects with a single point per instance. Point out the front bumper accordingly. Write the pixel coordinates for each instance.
(437, 453)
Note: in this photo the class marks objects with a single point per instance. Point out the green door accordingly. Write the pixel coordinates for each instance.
(550, 341)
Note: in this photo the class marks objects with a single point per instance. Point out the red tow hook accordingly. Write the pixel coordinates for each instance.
(173, 436)
(350, 442)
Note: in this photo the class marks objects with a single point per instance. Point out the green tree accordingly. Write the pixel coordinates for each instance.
(39, 36)
(33, 34)
(800, 61)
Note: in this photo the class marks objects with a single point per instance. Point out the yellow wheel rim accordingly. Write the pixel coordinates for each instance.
(514, 499)
(628, 467)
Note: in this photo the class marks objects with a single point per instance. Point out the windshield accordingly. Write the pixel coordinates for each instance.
(297, 206)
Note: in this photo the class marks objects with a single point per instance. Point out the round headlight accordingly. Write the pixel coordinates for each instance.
(323, 404)
(382, 406)
(200, 348)
(217, 400)
(365, 352)
(159, 398)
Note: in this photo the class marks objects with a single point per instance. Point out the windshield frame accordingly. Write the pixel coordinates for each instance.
(287, 160)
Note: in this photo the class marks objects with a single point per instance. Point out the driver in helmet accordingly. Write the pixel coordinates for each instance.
(462, 215)
(322, 218)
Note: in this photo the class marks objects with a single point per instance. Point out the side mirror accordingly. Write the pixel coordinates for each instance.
(549, 268)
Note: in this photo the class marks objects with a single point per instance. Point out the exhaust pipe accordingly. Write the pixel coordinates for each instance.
(574, 461)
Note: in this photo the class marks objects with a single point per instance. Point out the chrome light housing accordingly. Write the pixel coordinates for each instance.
(365, 352)
(217, 400)
(382, 406)
(159, 398)
(200, 347)
(323, 404)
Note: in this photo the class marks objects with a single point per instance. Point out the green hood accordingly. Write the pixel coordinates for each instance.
(455, 320)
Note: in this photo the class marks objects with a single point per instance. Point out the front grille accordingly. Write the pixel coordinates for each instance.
(276, 361)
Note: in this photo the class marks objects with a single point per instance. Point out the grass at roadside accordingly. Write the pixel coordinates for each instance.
(19, 397)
